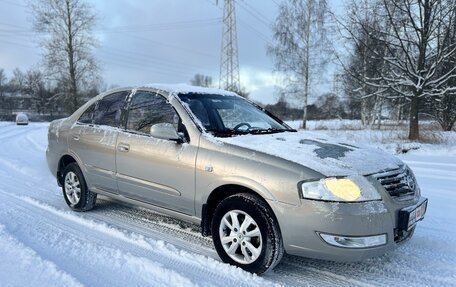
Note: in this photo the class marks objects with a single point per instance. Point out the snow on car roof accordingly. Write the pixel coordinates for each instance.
(176, 89)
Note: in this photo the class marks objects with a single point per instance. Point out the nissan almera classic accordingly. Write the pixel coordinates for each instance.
(258, 187)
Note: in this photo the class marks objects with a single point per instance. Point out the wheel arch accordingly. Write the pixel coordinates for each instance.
(218, 195)
(64, 161)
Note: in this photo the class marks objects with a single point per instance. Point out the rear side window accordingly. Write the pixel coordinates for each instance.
(147, 109)
(109, 109)
(87, 116)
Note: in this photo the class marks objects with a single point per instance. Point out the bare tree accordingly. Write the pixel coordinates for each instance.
(329, 106)
(68, 41)
(414, 52)
(3, 82)
(5, 104)
(366, 29)
(443, 107)
(201, 80)
(17, 81)
(300, 43)
(35, 86)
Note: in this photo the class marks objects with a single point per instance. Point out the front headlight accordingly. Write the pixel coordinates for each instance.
(347, 189)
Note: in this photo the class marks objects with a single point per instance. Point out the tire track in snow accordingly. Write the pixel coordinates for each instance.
(423, 262)
(130, 220)
(16, 255)
(14, 132)
(197, 267)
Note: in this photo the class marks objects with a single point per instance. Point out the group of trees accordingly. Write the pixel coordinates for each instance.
(31, 83)
(405, 50)
(68, 72)
(34, 90)
(400, 54)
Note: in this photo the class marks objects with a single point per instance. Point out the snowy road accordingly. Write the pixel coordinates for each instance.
(42, 243)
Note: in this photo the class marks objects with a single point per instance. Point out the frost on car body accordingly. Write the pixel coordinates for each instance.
(257, 186)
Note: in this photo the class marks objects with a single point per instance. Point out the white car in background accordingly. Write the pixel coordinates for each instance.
(22, 119)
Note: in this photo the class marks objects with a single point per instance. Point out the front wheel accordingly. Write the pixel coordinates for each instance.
(75, 191)
(246, 233)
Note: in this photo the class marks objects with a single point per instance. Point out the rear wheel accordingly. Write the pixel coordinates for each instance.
(246, 233)
(75, 191)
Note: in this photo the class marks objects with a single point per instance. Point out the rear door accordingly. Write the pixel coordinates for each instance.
(155, 171)
(93, 140)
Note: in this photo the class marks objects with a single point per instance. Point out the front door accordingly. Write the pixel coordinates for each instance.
(155, 171)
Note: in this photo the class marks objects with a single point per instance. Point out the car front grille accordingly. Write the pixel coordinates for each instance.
(399, 183)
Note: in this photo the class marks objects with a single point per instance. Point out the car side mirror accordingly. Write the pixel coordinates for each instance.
(165, 131)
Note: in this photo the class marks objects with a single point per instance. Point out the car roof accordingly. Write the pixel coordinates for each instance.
(176, 89)
(172, 90)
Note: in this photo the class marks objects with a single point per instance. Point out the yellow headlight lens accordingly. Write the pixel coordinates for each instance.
(343, 188)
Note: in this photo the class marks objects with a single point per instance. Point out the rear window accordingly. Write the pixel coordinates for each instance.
(87, 116)
(109, 109)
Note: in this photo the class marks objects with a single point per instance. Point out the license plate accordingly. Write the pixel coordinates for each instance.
(409, 216)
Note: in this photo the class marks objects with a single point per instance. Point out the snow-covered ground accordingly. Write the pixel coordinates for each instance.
(43, 243)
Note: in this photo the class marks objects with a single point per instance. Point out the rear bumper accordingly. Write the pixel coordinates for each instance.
(52, 161)
(302, 225)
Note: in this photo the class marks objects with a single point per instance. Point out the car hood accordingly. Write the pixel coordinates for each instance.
(327, 156)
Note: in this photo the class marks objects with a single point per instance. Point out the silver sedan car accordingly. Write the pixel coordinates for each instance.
(258, 187)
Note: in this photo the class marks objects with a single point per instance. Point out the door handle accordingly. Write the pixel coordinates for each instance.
(76, 138)
(123, 147)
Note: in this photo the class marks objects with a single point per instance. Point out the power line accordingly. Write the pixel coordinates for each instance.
(255, 13)
(259, 34)
(17, 44)
(28, 33)
(134, 59)
(147, 59)
(164, 26)
(191, 51)
(245, 24)
(13, 3)
(275, 2)
(180, 25)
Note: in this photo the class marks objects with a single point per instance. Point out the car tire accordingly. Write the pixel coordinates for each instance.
(75, 191)
(255, 246)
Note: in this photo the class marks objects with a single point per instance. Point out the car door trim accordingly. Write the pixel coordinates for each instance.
(147, 184)
(128, 200)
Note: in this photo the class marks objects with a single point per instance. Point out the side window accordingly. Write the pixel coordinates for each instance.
(147, 109)
(87, 116)
(109, 109)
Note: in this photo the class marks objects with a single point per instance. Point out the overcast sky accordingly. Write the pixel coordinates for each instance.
(160, 41)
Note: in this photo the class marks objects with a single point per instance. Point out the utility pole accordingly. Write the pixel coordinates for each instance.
(229, 58)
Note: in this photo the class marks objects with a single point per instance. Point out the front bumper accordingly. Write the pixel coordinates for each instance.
(302, 226)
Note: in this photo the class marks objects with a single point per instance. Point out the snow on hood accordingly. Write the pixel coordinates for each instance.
(327, 156)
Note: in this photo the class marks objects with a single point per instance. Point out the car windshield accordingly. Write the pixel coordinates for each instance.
(225, 116)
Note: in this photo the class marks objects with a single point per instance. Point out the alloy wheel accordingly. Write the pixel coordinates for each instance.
(240, 236)
(72, 188)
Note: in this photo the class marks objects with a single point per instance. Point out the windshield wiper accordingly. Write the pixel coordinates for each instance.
(225, 133)
(232, 132)
(269, 131)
